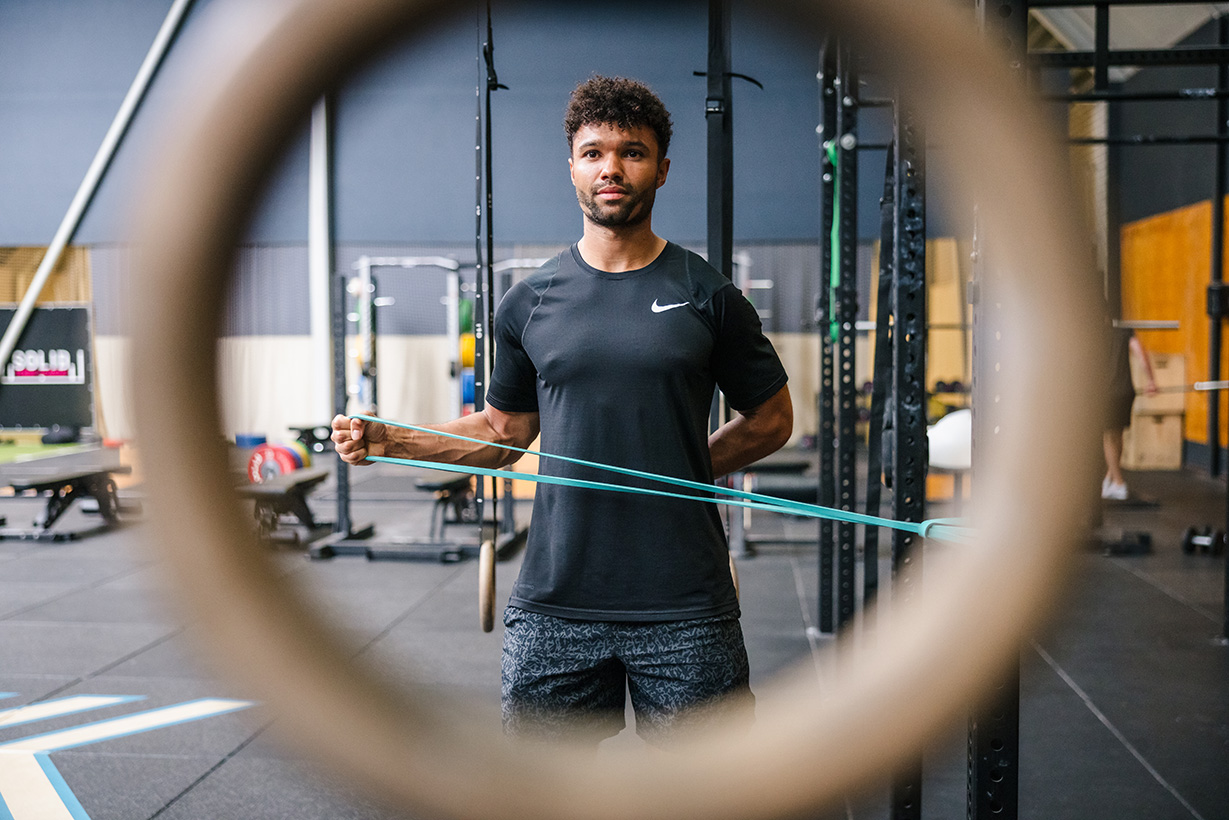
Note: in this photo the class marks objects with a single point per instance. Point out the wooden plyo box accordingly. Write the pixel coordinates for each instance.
(1153, 442)
(1170, 372)
(1154, 439)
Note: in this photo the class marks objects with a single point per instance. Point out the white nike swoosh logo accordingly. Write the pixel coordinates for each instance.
(663, 308)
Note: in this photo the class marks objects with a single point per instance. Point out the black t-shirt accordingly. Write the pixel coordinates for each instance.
(621, 368)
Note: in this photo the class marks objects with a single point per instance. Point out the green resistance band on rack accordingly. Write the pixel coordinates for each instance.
(946, 529)
(834, 237)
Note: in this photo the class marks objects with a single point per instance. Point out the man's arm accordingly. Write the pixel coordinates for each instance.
(356, 439)
(752, 434)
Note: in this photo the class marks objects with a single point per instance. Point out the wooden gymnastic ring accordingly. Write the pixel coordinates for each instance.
(258, 70)
(486, 586)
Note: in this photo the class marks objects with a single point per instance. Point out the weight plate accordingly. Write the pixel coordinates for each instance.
(300, 451)
(295, 458)
(269, 461)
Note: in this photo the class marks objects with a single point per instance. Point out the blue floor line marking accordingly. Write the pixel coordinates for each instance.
(38, 748)
(61, 787)
(225, 706)
(110, 700)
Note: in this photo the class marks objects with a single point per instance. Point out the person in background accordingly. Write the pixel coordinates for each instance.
(1123, 344)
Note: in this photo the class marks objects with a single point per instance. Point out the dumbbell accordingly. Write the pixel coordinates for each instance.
(1206, 540)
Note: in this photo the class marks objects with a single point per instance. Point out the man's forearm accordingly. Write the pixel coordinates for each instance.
(402, 443)
(752, 435)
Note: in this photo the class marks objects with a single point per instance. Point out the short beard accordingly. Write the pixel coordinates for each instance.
(625, 215)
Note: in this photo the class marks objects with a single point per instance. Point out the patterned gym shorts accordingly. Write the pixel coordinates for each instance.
(563, 678)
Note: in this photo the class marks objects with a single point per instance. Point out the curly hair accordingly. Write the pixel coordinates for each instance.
(620, 102)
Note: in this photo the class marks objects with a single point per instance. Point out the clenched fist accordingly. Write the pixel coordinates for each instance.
(355, 439)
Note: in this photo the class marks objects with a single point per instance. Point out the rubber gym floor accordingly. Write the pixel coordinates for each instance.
(1125, 707)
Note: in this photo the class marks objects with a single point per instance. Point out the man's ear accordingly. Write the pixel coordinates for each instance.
(571, 171)
(663, 168)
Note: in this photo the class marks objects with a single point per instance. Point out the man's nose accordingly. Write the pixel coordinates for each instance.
(612, 168)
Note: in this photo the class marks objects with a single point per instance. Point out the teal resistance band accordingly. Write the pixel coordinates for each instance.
(940, 528)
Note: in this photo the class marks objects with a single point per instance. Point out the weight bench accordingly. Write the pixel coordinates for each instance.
(286, 494)
(63, 487)
(454, 504)
(453, 492)
(783, 474)
(789, 486)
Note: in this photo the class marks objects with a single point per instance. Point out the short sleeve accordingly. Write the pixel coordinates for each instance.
(513, 386)
(744, 362)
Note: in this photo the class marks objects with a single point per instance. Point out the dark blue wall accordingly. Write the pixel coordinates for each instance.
(405, 126)
(1155, 179)
(64, 68)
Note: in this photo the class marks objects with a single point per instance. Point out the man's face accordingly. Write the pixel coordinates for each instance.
(616, 173)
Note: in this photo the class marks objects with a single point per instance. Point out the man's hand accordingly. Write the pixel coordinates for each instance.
(355, 439)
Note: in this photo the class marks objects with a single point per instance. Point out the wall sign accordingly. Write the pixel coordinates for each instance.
(49, 379)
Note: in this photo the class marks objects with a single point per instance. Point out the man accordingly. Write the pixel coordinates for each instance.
(612, 351)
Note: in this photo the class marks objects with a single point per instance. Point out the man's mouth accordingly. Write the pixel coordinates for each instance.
(611, 192)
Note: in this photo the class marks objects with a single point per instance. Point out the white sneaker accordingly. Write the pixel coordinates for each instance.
(1114, 491)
